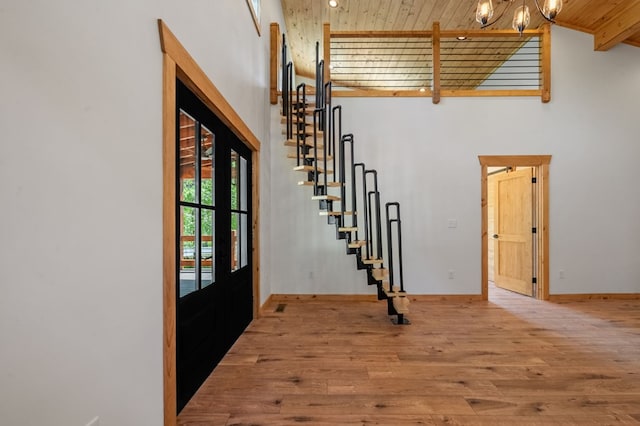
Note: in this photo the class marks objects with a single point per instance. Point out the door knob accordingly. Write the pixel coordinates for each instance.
(495, 236)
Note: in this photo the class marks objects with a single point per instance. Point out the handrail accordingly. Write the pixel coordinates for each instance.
(332, 150)
(319, 82)
(378, 230)
(289, 100)
(317, 117)
(285, 86)
(364, 197)
(301, 112)
(348, 138)
(326, 128)
(390, 258)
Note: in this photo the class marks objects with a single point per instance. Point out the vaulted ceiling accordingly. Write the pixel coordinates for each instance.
(610, 21)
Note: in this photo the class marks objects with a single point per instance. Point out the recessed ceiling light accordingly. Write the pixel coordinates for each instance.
(422, 89)
(461, 38)
(333, 3)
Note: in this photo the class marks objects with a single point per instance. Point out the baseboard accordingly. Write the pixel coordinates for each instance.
(593, 296)
(323, 297)
(278, 298)
(264, 306)
(446, 297)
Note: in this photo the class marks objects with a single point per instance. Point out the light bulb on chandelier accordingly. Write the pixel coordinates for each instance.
(521, 17)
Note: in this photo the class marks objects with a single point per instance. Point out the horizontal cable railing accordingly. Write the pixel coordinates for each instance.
(438, 63)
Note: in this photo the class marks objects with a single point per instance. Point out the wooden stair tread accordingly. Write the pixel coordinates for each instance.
(297, 117)
(401, 296)
(328, 213)
(380, 273)
(372, 261)
(307, 131)
(325, 197)
(308, 168)
(311, 183)
(348, 229)
(401, 304)
(357, 244)
(309, 156)
(307, 142)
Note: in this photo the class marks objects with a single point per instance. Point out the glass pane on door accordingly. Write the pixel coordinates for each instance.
(207, 249)
(207, 165)
(187, 251)
(235, 241)
(187, 158)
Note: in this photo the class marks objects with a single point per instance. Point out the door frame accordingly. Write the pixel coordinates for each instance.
(178, 64)
(541, 164)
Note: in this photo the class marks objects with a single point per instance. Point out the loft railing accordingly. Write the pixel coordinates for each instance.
(437, 63)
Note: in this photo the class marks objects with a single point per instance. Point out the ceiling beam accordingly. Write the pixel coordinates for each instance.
(620, 24)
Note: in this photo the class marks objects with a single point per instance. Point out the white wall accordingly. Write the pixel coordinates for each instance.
(81, 190)
(427, 156)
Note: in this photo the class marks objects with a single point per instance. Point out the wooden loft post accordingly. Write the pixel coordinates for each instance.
(435, 43)
(326, 51)
(274, 62)
(546, 63)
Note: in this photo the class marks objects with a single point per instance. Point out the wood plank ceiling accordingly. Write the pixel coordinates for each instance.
(610, 21)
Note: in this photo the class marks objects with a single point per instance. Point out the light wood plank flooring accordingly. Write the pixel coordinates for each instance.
(510, 361)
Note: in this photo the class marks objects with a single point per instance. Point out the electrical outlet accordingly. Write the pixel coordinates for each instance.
(452, 274)
(561, 274)
(94, 422)
(452, 223)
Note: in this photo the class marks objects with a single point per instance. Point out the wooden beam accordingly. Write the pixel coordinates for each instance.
(435, 43)
(480, 93)
(274, 62)
(623, 21)
(428, 34)
(380, 93)
(380, 34)
(545, 62)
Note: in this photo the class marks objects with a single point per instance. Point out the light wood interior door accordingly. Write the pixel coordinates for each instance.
(513, 237)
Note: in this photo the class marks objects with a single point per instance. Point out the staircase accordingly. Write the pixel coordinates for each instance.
(346, 190)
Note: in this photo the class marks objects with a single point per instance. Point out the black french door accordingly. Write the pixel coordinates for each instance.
(214, 274)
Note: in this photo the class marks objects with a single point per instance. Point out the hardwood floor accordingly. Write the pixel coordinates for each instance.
(510, 361)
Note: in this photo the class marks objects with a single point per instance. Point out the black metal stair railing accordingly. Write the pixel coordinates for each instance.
(301, 114)
(373, 207)
(326, 128)
(395, 305)
(336, 126)
(347, 139)
(390, 257)
(317, 188)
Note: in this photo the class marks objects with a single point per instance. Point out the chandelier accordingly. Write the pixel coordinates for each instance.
(521, 16)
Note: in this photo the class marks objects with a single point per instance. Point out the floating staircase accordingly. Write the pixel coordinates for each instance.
(346, 191)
